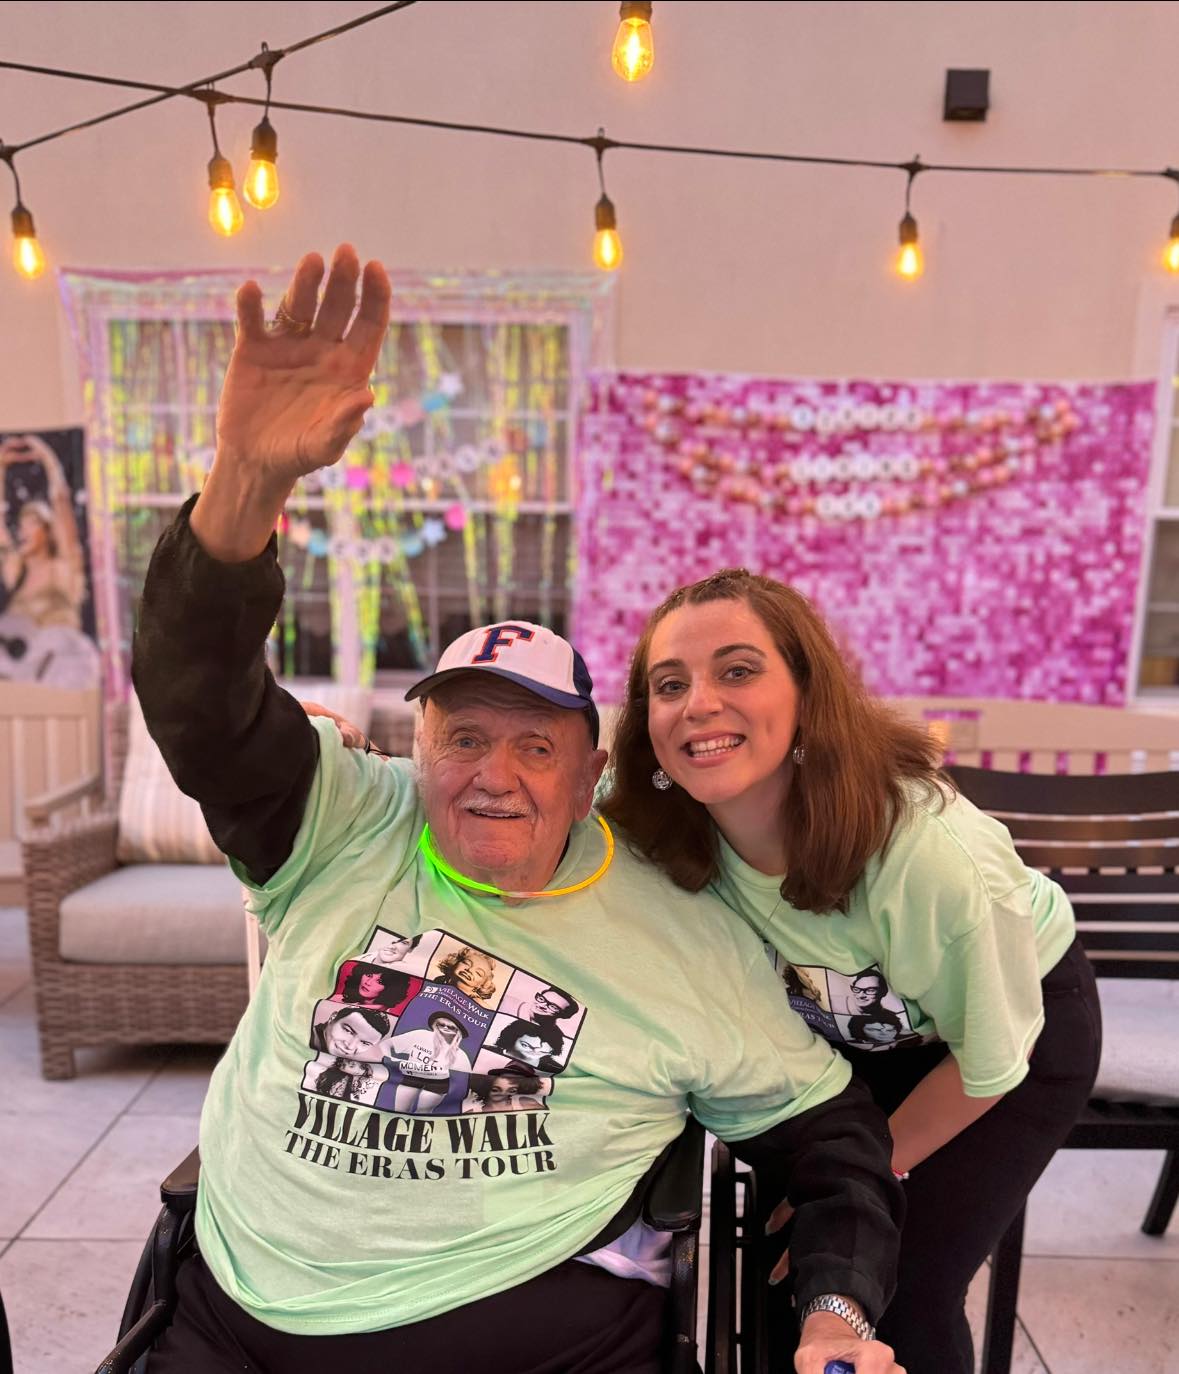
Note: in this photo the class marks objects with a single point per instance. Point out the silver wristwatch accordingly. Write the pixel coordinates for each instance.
(831, 1302)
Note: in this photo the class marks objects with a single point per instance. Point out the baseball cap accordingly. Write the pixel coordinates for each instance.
(532, 656)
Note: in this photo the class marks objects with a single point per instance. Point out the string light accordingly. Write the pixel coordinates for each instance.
(260, 186)
(28, 257)
(1171, 251)
(910, 260)
(607, 244)
(633, 54)
(225, 210)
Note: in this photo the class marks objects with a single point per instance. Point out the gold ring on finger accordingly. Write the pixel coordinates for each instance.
(285, 323)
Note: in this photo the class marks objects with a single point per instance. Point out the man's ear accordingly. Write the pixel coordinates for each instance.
(593, 771)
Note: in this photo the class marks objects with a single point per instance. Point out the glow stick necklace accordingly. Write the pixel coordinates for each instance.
(437, 862)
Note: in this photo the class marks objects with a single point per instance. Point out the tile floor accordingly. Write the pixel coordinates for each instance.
(80, 1164)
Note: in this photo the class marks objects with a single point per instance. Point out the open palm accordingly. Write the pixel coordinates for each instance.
(292, 400)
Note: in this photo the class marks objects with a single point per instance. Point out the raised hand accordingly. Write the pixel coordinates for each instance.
(296, 392)
(294, 395)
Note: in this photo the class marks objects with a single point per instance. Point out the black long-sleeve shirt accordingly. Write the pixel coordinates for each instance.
(246, 751)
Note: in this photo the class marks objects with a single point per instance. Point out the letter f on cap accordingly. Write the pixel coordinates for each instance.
(497, 637)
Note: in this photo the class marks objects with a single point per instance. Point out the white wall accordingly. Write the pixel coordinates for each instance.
(730, 266)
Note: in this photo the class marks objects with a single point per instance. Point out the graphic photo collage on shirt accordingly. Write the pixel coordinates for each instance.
(431, 1025)
(855, 1009)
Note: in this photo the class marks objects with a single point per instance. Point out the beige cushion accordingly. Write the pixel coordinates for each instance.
(157, 822)
(1138, 1058)
(156, 914)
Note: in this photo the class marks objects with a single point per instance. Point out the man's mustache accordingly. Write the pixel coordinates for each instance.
(495, 806)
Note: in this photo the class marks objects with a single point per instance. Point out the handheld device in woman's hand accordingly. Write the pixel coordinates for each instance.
(838, 1367)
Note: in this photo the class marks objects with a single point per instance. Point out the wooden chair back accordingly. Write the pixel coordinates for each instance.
(1112, 842)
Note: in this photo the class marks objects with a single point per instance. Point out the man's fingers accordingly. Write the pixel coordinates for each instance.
(372, 319)
(303, 292)
(250, 320)
(781, 1269)
(339, 296)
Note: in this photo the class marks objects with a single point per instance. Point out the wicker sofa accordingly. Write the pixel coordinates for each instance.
(124, 954)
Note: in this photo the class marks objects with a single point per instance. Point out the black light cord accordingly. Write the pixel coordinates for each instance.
(266, 58)
(599, 143)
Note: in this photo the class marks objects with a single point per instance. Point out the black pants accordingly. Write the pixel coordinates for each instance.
(964, 1197)
(574, 1319)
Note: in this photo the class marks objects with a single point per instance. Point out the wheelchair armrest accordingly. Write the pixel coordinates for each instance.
(674, 1200)
(179, 1189)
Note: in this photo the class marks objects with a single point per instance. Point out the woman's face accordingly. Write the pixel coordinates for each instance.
(722, 707)
(501, 1090)
(471, 972)
(531, 1049)
(882, 1032)
(351, 1037)
(371, 985)
(351, 1067)
(32, 536)
(395, 951)
(449, 1030)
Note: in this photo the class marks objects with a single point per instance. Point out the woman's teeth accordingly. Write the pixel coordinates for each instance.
(703, 748)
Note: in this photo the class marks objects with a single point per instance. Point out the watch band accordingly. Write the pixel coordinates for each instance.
(831, 1302)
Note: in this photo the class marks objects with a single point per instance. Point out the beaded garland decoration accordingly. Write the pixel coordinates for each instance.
(814, 460)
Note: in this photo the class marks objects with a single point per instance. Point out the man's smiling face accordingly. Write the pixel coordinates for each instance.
(503, 776)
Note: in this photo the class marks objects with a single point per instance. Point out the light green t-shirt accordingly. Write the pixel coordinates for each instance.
(383, 1141)
(947, 936)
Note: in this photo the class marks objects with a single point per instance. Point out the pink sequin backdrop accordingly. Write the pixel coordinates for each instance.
(979, 539)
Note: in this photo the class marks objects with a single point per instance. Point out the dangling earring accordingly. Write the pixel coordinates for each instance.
(799, 753)
(661, 780)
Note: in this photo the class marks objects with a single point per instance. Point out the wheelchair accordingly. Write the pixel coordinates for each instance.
(739, 1261)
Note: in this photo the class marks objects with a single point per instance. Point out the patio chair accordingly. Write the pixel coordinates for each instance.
(1112, 843)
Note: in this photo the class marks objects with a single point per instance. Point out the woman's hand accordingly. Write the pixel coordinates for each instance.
(826, 1337)
(293, 398)
(351, 734)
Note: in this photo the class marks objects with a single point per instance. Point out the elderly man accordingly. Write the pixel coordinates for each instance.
(397, 1230)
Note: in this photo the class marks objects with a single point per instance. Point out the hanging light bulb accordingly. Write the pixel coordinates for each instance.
(225, 210)
(607, 244)
(633, 54)
(910, 262)
(1171, 251)
(260, 186)
(28, 257)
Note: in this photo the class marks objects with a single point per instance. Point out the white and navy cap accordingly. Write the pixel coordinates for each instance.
(529, 655)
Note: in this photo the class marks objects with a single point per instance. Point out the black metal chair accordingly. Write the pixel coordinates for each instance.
(673, 1202)
(1112, 843)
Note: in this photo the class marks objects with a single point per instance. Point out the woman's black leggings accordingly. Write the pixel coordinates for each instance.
(963, 1198)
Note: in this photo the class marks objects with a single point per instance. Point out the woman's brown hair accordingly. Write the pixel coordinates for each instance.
(845, 799)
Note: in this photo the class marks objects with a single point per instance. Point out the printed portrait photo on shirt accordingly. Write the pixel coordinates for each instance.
(348, 1080)
(806, 990)
(506, 1091)
(431, 1053)
(344, 1032)
(541, 1046)
(408, 953)
(474, 972)
(878, 1030)
(528, 998)
(365, 984)
(868, 1013)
